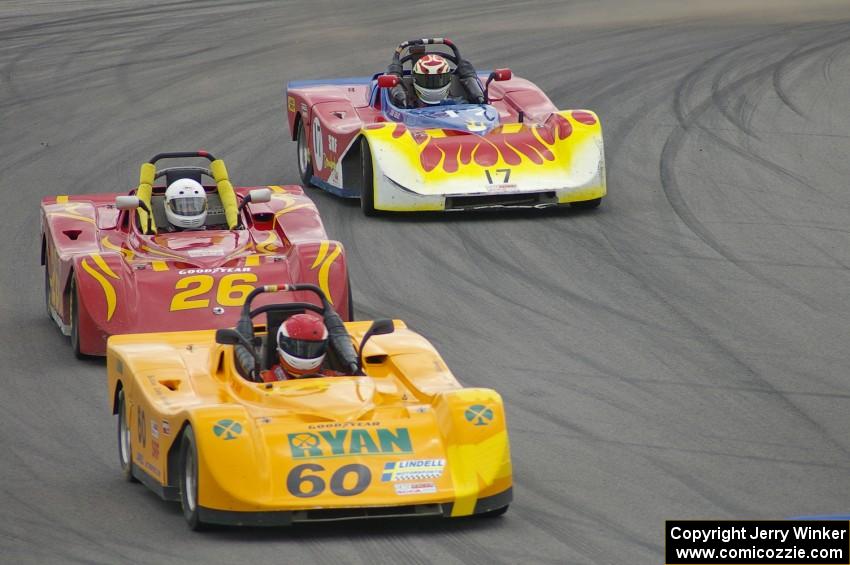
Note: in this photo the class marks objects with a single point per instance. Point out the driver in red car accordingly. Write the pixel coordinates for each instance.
(302, 342)
(432, 80)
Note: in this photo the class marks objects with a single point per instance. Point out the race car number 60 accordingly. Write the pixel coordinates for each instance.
(315, 485)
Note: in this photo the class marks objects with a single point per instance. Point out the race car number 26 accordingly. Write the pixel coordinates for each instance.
(306, 481)
(194, 291)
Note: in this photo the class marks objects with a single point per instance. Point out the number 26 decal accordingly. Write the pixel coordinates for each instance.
(194, 291)
(506, 175)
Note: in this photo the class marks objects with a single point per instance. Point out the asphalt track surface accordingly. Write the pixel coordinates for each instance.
(681, 352)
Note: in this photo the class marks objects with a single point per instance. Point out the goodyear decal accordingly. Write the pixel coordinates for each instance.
(98, 275)
(340, 443)
(323, 261)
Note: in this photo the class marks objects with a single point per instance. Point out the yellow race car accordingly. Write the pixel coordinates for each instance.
(397, 435)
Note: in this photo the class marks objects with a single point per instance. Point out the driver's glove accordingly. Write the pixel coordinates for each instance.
(399, 96)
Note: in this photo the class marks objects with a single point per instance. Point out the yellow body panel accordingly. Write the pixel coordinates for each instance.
(406, 434)
(564, 155)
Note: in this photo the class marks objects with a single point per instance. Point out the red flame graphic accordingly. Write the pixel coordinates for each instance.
(485, 151)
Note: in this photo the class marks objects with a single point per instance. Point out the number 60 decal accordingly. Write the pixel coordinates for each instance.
(230, 291)
(304, 485)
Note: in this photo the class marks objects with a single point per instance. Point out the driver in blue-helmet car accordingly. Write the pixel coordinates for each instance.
(432, 81)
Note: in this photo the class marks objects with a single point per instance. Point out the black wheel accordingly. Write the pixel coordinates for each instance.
(125, 445)
(367, 192)
(47, 289)
(350, 303)
(587, 204)
(75, 321)
(494, 513)
(305, 163)
(188, 480)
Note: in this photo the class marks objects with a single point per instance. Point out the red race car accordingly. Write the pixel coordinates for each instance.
(434, 134)
(181, 255)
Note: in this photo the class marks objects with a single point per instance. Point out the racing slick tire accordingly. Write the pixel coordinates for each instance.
(188, 480)
(75, 320)
(47, 289)
(305, 164)
(367, 184)
(586, 204)
(125, 444)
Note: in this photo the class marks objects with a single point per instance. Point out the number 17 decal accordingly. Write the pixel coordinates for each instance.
(506, 175)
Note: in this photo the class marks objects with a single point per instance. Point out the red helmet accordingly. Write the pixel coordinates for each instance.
(432, 78)
(301, 344)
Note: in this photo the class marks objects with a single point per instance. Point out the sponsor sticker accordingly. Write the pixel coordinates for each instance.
(166, 428)
(227, 429)
(154, 429)
(413, 470)
(358, 441)
(403, 489)
(478, 415)
(290, 103)
(214, 271)
(155, 448)
(206, 252)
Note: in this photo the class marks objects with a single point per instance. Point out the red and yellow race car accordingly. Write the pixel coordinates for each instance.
(496, 141)
(391, 434)
(113, 263)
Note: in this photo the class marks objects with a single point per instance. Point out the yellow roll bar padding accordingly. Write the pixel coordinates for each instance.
(226, 193)
(146, 179)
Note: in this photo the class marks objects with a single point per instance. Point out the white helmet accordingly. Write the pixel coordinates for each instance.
(186, 204)
(432, 78)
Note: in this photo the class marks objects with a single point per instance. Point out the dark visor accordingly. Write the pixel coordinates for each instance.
(433, 82)
(302, 348)
(188, 206)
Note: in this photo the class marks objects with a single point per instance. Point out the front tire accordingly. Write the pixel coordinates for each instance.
(125, 445)
(367, 191)
(305, 162)
(188, 480)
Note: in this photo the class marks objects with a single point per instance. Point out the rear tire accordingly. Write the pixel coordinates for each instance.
(47, 289)
(188, 480)
(125, 444)
(74, 308)
(367, 191)
(350, 303)
(586, 204)
(305, 162)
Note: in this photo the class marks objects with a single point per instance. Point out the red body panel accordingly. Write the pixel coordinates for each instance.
(342, 110)
(127, 282)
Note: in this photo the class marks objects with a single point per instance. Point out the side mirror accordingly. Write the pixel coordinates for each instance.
(379, 327)
(228, 336)
(502, 74)
(127, 202)
(497, 75)
(388, 81)
(256, 196)
(260, 195)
